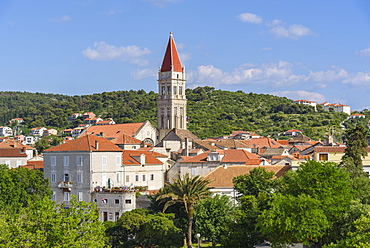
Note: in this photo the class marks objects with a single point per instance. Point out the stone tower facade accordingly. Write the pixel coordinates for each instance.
(171, 103)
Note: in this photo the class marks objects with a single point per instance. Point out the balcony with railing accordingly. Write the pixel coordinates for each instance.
(65, 185)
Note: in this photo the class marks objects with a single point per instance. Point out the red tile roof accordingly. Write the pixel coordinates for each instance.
(222, 177)
(230, 156)
(34, 165)
(86, 143)
(171, 60)
(262, 142)
(12, 152)
(115, 130)
(130, 157)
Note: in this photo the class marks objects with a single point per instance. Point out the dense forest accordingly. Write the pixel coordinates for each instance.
(212, 112)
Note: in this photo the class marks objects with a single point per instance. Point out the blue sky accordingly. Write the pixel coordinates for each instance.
(313, 50)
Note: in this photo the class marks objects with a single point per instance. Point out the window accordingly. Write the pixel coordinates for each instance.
(118, 177)
(104, 201)
(79, 160)
(194, 171)
(53, 196)
(163, 90)
(66, 161)
(53, 161)
(323, 157)
(104, 179)
(180, 90)
(152, 177)
(80, 196)
(66, 177)
(169, 90)
(127, 178)
(136, 178)
(104, 160)
(118, 160)
(116, 201)
(105, 216)
(117, 215)
(53, 177)
(144, 177)
(128, 201)
(175, 89)
(79, 177)
(66, 196)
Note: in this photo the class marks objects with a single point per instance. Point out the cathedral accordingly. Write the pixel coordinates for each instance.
(171, 103)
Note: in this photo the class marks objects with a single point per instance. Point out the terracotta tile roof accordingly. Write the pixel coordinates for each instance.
(230, 156)
(115, 130)
(222, 177)
(335, 149)
(34, 165)
(171, 60)
(300, 138)
(131, 158)
(283, 142)
(126, 139)
(183, 134)
(301, 148)
(293, 130)
(282, 157)
(262, 142)
(86, 143)
(221, 143)
(12, 152)
(272, 151)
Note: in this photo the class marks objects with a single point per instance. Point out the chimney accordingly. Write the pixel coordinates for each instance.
(101, 134)
(186, 151)
(24, 149)
(142, 159)
(96, 145)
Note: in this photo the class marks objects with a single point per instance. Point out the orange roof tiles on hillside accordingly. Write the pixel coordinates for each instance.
(126, 139)
(222, 177)
(34, 165)
(221, 143)
(262, 142)
(230, 156)
(128, 157)
(339, 149)
(115, 130)
(12, 152)
(171, 60)
(86, 143)
(283, 142)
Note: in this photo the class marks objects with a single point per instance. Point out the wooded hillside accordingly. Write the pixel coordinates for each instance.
(211, 112)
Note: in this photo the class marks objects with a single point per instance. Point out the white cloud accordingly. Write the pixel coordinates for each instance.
(292, 32)
(279, 74)
(266, 49)
(103, 51)
(301, 94)
(64, 18)
(145, 73)
(327, 76)
(249, 17)
(269, 73)
(358, 79)
(364, 52)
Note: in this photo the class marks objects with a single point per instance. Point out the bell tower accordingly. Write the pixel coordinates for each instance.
(171, 103)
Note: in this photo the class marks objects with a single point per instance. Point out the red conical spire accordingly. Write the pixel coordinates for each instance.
(171, 60)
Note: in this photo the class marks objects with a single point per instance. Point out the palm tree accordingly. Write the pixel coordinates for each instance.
(187, 191)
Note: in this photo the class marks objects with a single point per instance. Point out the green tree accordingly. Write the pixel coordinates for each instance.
(242, 231)
(257, 181)
(20, 186)
(212, 216)
(47, 142)
(293, 218)
(326, 187)
(188, 191)
(139, 228)
(356, 150)
(45, 224)
(359, 238)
